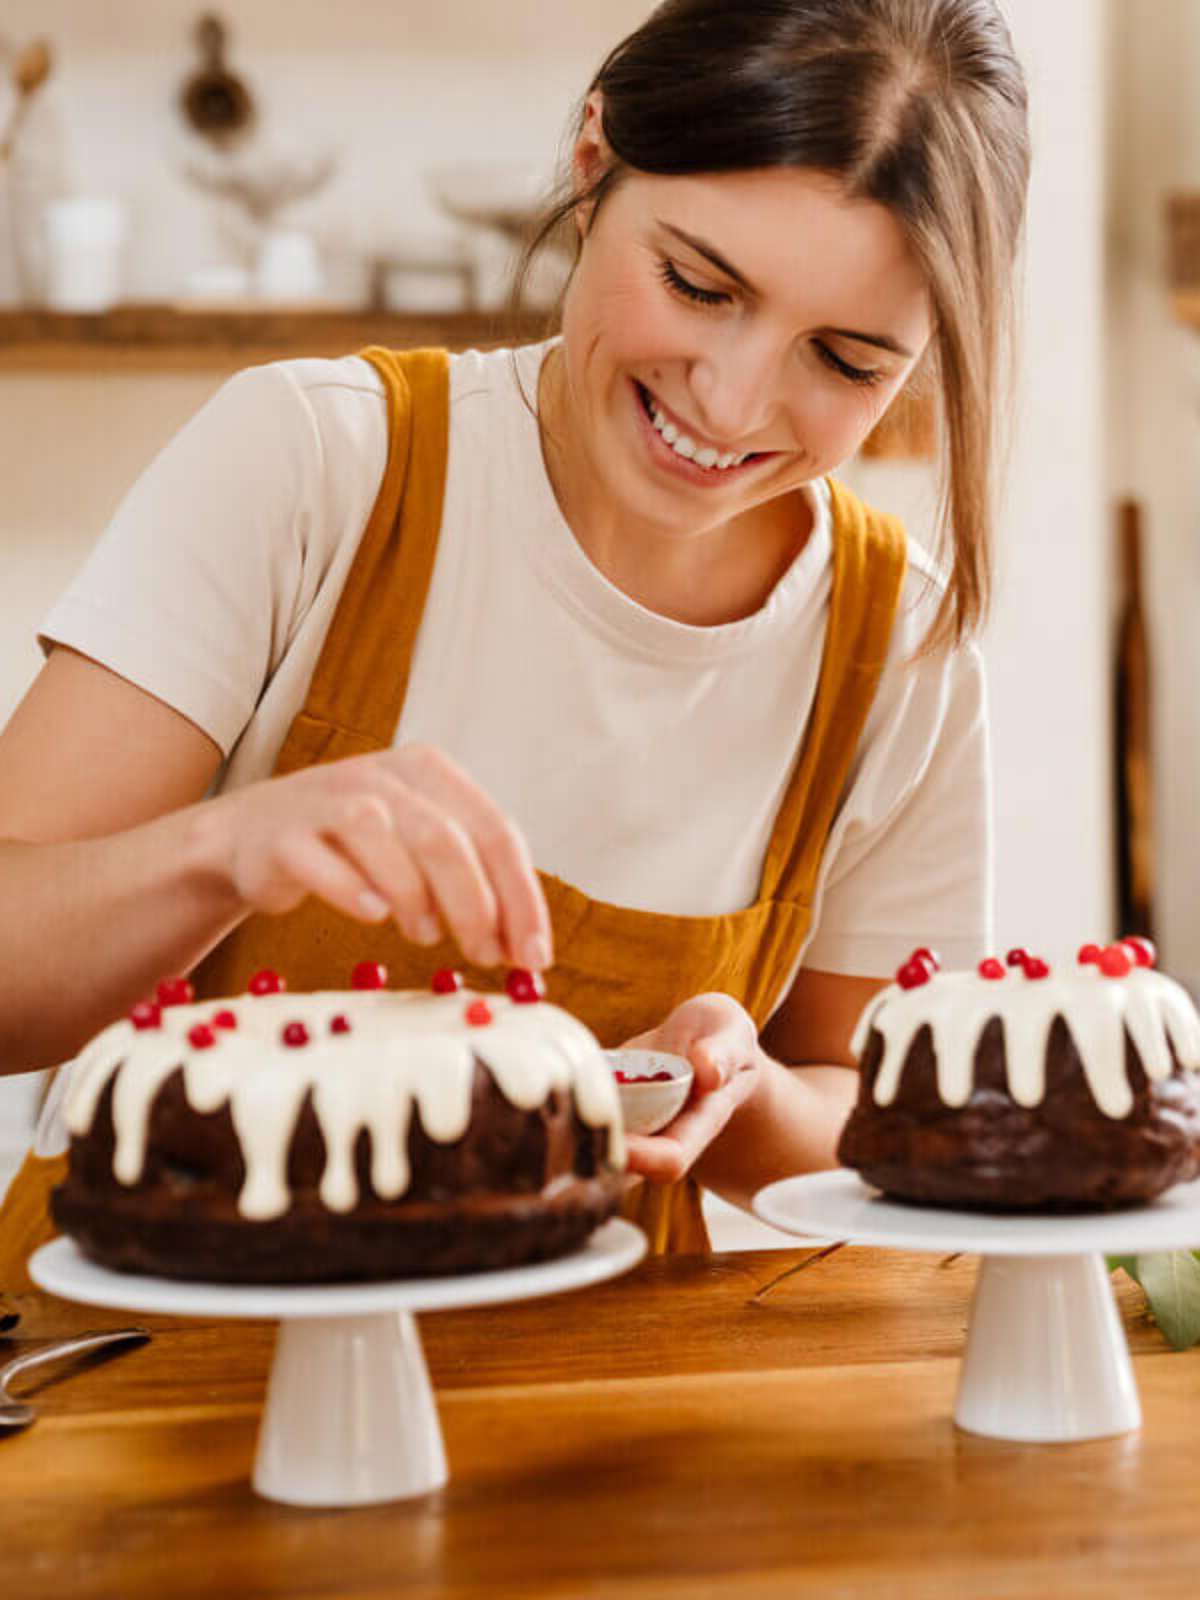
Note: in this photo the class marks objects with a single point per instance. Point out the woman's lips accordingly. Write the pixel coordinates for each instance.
(680, 467)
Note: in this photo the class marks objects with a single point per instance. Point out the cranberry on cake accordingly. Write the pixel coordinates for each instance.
(1020, 1088)
(278, 1138)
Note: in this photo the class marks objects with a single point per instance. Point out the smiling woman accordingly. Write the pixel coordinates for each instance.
(913, 112)
(576, 657)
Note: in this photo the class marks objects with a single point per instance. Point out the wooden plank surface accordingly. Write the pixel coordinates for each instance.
(166, 338)
(665, 1435)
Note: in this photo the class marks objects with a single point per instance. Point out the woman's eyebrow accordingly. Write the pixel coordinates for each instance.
(881, 341)
(709, 254)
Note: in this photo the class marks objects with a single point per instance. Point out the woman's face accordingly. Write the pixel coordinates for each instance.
(756, 322)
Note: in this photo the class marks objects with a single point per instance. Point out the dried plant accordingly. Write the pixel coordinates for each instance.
(31, 66)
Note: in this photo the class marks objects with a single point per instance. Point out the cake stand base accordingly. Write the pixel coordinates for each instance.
(350, 1417)
(1046, 1359)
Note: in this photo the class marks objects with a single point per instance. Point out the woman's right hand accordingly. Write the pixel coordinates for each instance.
(403, 833)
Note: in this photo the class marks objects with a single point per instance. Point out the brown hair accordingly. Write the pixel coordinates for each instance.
(919, 105)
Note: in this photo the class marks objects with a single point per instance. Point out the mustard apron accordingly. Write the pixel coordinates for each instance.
(621, 971)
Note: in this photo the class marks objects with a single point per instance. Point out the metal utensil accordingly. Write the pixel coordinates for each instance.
(15, 1414)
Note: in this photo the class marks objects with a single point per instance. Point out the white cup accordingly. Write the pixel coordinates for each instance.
(85, 235)
(289, 267)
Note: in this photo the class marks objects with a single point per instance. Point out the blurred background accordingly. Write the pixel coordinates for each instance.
(183, 192)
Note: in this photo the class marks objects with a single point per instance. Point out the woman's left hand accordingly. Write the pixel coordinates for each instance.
(718, 1037)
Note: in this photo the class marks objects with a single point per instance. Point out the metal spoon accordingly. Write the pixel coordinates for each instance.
(15, 1414)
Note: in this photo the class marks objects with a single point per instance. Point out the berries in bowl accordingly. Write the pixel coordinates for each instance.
(653, 1087)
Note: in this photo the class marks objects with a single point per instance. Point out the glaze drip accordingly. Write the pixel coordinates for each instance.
(1097, 1011)
(403, 1052)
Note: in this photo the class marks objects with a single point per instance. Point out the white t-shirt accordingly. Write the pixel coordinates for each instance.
(643, 758)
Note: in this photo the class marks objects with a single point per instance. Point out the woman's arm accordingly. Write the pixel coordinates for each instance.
(803, 1092)
(114, 871)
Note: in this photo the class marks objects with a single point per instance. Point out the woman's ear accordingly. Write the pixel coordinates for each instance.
(591, 158)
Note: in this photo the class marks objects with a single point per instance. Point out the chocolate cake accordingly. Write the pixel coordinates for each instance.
(279, 1138)
(1015, 1088)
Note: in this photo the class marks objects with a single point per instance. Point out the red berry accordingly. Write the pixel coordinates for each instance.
(1016, 958)
(174, 992)
(224, 1019)
(913, 974)
(524, 988)
(369, 975)
(201, 1037)
(1035, 967)
(1089, 955)
(146, 1014)
(928, 955)
(266, 982)
(446, 981)
(991, 968)
(339, 1024)
(294, 1035)
(1144, 953)
(1115, 961)
(478, 1014)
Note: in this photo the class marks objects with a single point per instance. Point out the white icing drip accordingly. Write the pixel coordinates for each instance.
(403, 1050)
(957, 1007)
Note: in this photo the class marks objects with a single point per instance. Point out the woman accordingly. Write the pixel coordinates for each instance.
(573, 657)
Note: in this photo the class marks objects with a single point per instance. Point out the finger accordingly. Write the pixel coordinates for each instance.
(718, 1057)
(523, 921)
(306, 864)
(443, 853)
(698, 1018)
(368, 837)
(667, 1156)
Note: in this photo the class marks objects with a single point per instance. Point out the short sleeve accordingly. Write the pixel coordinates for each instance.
(190, 591)
(910, 859)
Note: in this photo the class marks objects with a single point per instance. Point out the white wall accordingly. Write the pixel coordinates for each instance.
(391, 89)
(1153, 415)
(1047, 642)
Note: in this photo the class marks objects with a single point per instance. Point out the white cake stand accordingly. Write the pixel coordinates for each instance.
(350, 1417)
(1046, 1358)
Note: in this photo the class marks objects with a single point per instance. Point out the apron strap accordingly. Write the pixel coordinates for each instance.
(380, 609)
(870, 557)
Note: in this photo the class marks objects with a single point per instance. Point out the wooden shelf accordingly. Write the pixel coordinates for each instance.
(168, 338)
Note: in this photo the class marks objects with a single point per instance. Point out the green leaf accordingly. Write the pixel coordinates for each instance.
(1124, 1264)
(1171, 1280)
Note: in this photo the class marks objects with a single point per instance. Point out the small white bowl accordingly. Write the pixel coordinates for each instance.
(647, 1106)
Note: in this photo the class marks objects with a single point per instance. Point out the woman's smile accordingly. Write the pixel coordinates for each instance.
(678, 447)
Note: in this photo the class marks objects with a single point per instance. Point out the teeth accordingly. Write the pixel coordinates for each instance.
(683, 445)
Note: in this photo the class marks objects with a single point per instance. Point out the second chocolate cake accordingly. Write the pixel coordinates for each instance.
(1018, 1088)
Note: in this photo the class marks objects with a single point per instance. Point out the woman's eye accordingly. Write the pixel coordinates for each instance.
(676, 282)
(863, 375)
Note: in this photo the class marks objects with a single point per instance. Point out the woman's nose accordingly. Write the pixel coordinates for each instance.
(737, 388)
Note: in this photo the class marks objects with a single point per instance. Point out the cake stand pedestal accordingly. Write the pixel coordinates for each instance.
(350, 1416)
(1046, 1359)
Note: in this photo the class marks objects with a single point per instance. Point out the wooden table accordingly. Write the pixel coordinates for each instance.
(662, 1436)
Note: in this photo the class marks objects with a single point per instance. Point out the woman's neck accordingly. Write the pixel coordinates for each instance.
(720, 574)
